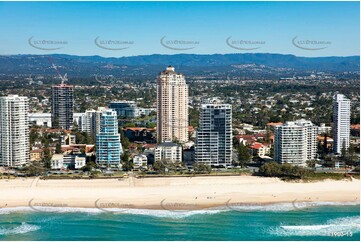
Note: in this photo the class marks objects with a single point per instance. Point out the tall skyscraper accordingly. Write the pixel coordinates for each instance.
(214, 135)
(108, 146)
(172, 106)
(62, 106)
(341, 122)
(90, 121)
(295, 142)
(14, 131)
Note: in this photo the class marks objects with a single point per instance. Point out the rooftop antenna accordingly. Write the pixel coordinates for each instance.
(62, 78)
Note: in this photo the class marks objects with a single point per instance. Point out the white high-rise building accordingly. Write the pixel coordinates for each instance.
(14, 131)
(214, 135)
(172, 106)
(90, 121)
(295, 142)
(341, 122)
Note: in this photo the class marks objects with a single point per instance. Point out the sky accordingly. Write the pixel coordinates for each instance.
(115, 29)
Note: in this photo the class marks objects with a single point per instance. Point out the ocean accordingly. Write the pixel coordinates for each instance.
(275, 222)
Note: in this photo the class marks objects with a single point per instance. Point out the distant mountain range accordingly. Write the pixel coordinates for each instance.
(148, 64)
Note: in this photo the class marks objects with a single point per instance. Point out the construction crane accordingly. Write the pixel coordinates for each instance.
(62, 78)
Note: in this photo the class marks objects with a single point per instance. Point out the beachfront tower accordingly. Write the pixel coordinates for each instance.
(172, 106)
(341, 123)
(214, 135)
(295, 142)
(108, 146)
(62, 106)
(14, 131)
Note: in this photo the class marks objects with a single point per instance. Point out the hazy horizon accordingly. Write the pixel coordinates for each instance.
(121, 29)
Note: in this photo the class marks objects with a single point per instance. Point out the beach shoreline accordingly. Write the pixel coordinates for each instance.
(173, 193)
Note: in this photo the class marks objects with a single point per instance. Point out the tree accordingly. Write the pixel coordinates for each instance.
(159, 166)
(270, 169)
(350, 159)
(129, 125)
(200, 168)
(127, 164)
(311, 163)
(235, 142)
(33, 136)
(243, 155)
(34, 169)
(88, 167)
(47, 156)
(124, 140)
(273, 169)
(325, 148)
(58, 148)
(151, 125)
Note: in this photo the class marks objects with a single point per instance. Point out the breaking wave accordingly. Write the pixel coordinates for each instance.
(346, 226)
(21, 229)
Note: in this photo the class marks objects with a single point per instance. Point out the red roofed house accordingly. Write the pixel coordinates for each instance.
(246, 139)
(36, 155)
(272, 125)
(260, 149)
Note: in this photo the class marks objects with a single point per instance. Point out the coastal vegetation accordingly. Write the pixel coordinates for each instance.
(289, 172)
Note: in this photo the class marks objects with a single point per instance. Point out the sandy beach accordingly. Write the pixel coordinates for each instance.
(183, 193)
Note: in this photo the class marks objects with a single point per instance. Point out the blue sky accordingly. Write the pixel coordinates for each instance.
(206, 25)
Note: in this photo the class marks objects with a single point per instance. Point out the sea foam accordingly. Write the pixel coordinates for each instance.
(281, 207)
(277, 207)
(345, 226)
(21, 229)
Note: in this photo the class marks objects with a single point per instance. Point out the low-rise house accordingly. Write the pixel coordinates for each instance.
(323, 129)
(68, 139)
(57, 162)
(60, 161)
(355, 140)
(168, 151)
(79, 162)
(36, 155)
(140, 161)
(329, 141)
(260, 149)
(246, 139)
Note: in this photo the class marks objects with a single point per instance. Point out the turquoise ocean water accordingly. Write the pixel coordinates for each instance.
(281, 222)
